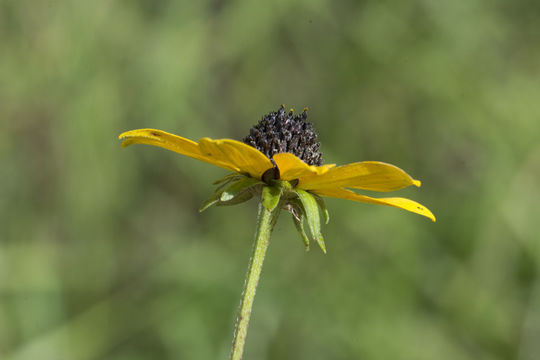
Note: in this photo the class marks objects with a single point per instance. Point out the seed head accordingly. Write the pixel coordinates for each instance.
(281, 131)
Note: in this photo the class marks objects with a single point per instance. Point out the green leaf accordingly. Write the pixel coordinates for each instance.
(235, 193)
(299, 223)
(227, 178)
(210, 201)
(237, 187)
(322, 206)
(311, 209)
(271, 196)
(226, 182)
(241, 197)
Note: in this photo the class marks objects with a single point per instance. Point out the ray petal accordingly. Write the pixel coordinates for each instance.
(245, 158)
(171, 142)
(398, 202)
(366, 175)
(291, 167)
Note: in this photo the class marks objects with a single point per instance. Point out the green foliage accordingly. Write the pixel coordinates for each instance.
(310, 210)
(270, 196)
(103, 254)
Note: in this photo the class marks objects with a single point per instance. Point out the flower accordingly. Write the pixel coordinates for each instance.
(280, 159)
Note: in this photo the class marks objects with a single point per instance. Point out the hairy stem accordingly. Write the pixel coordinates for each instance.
(265, 223)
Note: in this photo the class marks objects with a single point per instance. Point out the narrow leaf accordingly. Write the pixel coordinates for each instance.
(235, 193)
(322, 206)
(237, 187)
(241, 197)
(227, 178)
(299, 223)
(210, 201)
(320, 241)
(224, 182)
(270, 196)
(311, 210)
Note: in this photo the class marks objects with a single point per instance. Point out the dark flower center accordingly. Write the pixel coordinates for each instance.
(282, 131)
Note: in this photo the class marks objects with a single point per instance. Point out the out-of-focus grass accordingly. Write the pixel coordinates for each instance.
(103, 254)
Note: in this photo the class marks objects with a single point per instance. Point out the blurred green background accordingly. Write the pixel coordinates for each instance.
(103, 254)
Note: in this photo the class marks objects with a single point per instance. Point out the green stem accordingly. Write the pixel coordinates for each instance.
(265, 223)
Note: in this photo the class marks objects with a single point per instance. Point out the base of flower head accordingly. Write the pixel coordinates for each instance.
(235, 189)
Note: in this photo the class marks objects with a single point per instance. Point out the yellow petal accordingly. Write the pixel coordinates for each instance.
(242, 156)
(398, 202)
(171, 142)
(366, 175)
(290, 167)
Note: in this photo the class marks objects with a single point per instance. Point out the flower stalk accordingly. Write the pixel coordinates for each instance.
(265, 223)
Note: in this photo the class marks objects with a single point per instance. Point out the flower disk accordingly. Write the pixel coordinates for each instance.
(282, 132)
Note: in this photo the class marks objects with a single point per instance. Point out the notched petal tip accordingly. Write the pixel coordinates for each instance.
(126, 142)
(127, 138)
(180, 145)
(125, 134)
(141, 133)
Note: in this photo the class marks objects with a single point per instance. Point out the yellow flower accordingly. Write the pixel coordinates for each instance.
(280, 161)
(324, 180)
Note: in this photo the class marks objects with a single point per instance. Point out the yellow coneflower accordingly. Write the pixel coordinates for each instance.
(280, 162)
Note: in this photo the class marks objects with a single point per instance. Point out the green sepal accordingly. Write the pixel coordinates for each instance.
(210, 201)
(311, 209)
(237, 187)
(322, 207)
(241, 197)
(235, 193)
(270, 196)
(296, 209)
(299, 223)
(227, 178)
